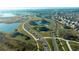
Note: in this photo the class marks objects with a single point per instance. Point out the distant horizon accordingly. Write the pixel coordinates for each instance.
(19, 8)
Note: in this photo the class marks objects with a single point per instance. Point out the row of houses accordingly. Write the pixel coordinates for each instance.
(72, 24)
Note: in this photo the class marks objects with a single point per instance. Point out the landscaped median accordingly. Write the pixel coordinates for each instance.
(64, 45)
(49, 40)
(60, 46)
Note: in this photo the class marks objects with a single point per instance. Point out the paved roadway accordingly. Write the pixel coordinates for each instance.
(36, 36)
(67, 42)
(31, 35)
(68, 45)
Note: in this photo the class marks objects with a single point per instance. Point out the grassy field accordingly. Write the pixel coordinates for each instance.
(74, 46)
(31, 44)
(50, 43)
(59, 45)
(63, 45)
(8, 43)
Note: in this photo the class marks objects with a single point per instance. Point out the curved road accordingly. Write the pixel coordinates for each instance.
(31, 35)
(36, 36)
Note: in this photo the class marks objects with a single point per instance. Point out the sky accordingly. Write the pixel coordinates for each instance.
(13, 4)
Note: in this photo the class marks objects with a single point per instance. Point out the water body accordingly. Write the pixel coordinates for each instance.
(39, 22)
(7, 15)
(8, 27)
(43, 29)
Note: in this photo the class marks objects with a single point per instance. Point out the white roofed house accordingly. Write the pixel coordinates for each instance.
(77, 26)
(72, 24)
(67, 22)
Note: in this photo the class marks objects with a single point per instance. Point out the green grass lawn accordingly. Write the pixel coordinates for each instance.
(74, 46)
(59, 45)
(50, 43)
(63, 44)
(29, 43)
(40, 46)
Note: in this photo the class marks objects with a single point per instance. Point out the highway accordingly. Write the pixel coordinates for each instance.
(63, 39)
(38, 37)
(67, 42)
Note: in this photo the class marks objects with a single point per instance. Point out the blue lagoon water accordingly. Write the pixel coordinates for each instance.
(8, 27)
(39, 22)
(7, 15)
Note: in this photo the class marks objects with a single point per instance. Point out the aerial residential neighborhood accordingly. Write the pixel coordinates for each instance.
(47, 29)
